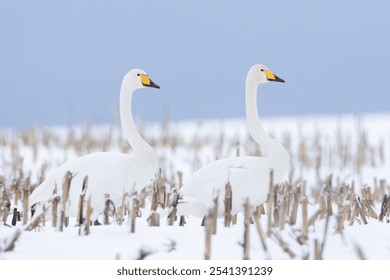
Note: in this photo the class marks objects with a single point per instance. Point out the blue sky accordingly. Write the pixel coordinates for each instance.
(64, 61)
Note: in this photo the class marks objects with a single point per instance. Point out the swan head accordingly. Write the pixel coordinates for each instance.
(261, 75)
(138, 78)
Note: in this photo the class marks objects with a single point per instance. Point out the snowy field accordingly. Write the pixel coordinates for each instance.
(338, 179)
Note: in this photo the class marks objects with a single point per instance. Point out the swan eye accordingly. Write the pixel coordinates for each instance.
(138, 74)
(262, 70)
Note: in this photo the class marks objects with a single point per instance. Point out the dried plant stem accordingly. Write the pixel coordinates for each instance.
(121, 210)
(294, 209)
(182, 221)
(64, 199)
(228, 205)
(256, 218)
(10, 241)
(329, 203)
(234, 219)
(385, 207)
(7, 210)
(325, 236)
(260, 209)
(323, 207)
(247, 222)
(172, 214)
(84, 187)
(36, 219)
(87, 229)
(26, 194)
(134, 214)
(109, 209)
(208, 232)
(359, 252)
(154, 219)
(283, 213)
(44, 216)
(314, 218)
(283, 244)
(317, 250)
(305, 225)
(154, 200)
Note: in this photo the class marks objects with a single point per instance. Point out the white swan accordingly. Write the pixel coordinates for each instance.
(111, 173)
(248, 175)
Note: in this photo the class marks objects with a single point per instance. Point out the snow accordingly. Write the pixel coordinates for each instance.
(186, 146)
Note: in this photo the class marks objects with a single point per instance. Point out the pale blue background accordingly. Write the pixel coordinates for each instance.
(63, 61)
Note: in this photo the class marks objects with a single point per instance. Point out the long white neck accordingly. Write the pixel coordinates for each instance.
(269, 146)
(129, 129)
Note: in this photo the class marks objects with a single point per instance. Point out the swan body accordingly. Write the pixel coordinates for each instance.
(248, 175)
(108, 173)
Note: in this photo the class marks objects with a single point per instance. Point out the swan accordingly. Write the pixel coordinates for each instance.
(108, 173)
(248, 175)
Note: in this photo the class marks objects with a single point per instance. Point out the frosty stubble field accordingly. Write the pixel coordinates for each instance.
(352, 149)
(325, 197)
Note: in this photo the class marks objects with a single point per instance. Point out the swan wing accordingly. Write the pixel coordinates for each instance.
(108, 173)
(248, 177)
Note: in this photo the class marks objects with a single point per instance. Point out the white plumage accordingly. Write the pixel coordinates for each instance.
(248, 175)
(108, 173)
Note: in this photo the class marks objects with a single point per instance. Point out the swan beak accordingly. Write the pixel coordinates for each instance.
(147, 82)
(272, 77)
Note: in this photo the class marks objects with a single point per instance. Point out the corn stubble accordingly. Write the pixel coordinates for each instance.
(291, 209)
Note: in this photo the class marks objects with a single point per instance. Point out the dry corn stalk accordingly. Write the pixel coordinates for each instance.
(283, 212)
(154, 219)
(182, 221)
(247, 222)
(283, 244)
(256, 217)
(228, 204)
(65, 195)
(359, 252)
(208, 232)
(88, 222)
(294, 208)
(109, 209)
(9, 243)
(317, 250)
(260, 209)
(305, 225)
(134, 213)
(84, 187)
(234, 219)
(385, 208)
(7, 209)
(172, 214)
(37, 219)
(26, 194)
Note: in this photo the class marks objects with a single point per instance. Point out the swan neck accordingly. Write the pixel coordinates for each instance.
(129, 129)
(275, 152)
(269, 146)
(252, 116)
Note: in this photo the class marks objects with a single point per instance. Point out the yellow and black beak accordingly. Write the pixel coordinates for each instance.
(147, 82)
(272, 77)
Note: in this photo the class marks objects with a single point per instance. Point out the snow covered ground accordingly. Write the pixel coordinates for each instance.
(353, 149)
